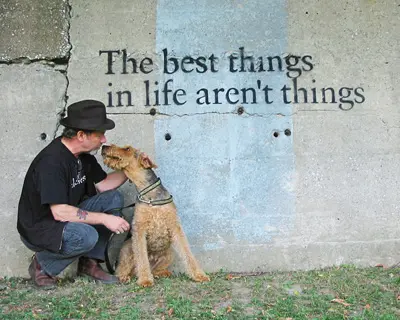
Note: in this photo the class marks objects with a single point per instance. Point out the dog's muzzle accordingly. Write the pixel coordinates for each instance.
(104, 149)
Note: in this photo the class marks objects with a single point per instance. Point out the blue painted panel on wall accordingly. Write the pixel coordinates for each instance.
(231, 178)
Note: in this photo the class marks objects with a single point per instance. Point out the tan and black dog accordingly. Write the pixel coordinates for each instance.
(155, 228)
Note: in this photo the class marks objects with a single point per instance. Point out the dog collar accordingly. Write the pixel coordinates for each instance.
(158, 202)
(150, 187)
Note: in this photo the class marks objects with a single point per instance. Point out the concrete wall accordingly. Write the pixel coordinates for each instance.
(284, 184)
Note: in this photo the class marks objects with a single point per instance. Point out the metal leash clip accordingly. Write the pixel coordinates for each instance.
(141, 199)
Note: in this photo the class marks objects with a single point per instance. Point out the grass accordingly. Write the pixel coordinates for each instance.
(344, 292)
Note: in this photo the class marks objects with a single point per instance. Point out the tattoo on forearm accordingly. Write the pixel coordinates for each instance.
(82, 214)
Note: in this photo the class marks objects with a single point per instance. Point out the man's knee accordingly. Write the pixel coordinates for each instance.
(117, 199)
(78, 238)
(91, 239)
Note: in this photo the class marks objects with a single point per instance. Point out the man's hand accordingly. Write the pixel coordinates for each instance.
(116, 224)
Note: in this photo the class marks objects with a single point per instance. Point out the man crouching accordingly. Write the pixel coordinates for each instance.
(67, 206)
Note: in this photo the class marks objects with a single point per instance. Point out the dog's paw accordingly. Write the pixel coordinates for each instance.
(145, 282)
(162, 274)
(201, 277)
(124, 279)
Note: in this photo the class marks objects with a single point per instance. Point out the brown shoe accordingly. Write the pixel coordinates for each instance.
(40, 278)
(92, 268)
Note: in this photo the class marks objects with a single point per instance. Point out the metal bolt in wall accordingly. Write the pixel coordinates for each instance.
(288, 132)
(167, 136)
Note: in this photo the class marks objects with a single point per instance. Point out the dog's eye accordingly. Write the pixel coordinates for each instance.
(127, 148)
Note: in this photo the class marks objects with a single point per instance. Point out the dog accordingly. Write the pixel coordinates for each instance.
(155, 228)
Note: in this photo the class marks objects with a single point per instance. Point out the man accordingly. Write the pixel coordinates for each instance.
(67, 202)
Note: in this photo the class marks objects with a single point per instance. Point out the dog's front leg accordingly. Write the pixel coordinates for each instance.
(181, 245)
(126, 265)
(142, 264)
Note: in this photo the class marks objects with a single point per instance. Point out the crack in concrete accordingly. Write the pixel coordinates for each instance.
(63, 111)
(59, 64)
(248, 114)
(205, 113)
(49, 61)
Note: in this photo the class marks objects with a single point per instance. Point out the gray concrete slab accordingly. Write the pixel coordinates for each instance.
(125, 26)
(347, 162)
(34, 29)
(28, 111)
(325, 195)
(299, 256)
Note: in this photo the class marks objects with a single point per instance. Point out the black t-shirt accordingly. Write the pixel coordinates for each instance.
(55, 176)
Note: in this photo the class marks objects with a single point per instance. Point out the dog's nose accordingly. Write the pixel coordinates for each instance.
(104, 148)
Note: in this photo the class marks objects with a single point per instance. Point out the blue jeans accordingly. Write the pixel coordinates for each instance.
(80, 239)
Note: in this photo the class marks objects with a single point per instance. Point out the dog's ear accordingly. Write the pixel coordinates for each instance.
(145, 161)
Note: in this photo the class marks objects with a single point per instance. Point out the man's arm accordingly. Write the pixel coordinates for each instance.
(112, 181)
(65, 212)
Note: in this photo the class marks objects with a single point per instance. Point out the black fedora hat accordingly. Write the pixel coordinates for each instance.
(87, 115)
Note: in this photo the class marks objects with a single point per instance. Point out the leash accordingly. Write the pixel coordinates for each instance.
(111, 266)
(122, 208)
(150, 202)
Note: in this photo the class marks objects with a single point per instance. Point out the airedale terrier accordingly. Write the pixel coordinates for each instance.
(155, 228)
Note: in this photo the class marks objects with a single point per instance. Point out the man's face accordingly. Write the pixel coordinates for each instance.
(93, 141)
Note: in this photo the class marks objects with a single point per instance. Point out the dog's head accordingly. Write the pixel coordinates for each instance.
(120, 158)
